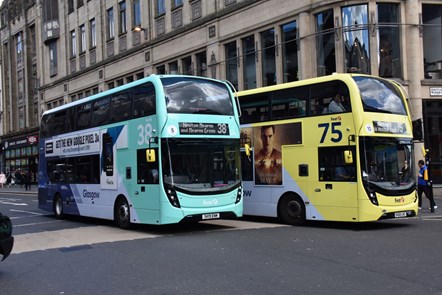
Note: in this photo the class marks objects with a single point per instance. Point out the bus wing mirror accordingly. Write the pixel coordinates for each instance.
(348, 157)
(150, 155)
(247, 149)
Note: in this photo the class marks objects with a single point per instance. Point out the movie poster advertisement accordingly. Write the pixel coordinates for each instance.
(267, 142)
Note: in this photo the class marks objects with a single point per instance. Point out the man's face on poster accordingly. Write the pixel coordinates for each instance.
(267, 137)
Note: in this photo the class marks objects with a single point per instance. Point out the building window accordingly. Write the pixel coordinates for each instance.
(70, 6)
(82, 39)
(268, 58)
(33, 41)
(80, 3)
(290, 52)
(161, 8)
(19, 47)
(356, 45)
(110, 24)
(249, 64)
(53, 61)
(389, 57)
(73, 44)
(325, 43)
(123, 28)
(92, 33)
(231, 56)
(186, 64)
(21, 117)
(161, 70)
(432, 40)
(173, 68)
(201, 64)
(177, 3)
(136, 13)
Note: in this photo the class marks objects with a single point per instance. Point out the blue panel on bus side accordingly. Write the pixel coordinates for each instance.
(109, 139)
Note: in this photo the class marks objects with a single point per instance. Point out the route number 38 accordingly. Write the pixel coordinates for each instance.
(144, 133)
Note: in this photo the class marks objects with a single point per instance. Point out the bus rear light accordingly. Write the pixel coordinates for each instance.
(173, 198)
(238, 195)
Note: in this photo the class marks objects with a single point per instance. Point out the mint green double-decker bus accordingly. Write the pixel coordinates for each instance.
(163, 149)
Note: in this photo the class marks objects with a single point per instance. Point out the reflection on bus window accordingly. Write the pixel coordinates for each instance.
(191, 97)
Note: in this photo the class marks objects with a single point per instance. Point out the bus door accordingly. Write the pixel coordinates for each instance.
(333, 195)
(145, 191)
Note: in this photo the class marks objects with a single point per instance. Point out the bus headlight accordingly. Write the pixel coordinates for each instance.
(172, 196)
(373, 198)
(238, 195)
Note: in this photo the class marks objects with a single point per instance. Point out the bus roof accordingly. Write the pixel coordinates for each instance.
(150, 78)
(332, 77)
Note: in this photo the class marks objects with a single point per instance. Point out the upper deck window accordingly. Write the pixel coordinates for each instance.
(195, 96)
(380, 96)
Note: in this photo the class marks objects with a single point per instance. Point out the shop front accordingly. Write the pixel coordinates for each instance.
(21, 155)
(432, 113)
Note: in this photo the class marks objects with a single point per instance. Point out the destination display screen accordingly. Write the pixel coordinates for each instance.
(204, 129)
(389, 127)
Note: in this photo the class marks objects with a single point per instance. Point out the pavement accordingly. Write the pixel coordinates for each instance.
(17, 189)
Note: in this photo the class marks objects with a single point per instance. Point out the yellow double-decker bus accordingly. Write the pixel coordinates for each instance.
(335, 148)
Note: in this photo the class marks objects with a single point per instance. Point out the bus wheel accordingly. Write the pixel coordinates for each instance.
(122, 213)
(58, 207)
(291, 210)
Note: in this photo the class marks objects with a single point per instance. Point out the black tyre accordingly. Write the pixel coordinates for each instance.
(58, 207)
(291, 210)
(122, 214)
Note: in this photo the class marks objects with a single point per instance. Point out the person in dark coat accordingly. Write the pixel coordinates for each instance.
(27, 180)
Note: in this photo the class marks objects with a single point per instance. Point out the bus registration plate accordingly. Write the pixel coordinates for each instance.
(210, 216)
(400, 214)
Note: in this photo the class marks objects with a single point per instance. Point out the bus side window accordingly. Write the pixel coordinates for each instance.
(100, 112)
(144, 100)
(60, 122)
(121, 107)
(47, 124)
(84, 115)
(332, 166)
(316, 106)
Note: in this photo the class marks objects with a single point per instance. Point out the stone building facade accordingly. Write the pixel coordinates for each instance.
(54, 52)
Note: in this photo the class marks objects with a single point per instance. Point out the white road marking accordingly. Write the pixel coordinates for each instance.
(28, 212)
(11, 203)
(36, 223)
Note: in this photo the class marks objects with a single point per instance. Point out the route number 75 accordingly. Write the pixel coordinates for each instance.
(336, 133)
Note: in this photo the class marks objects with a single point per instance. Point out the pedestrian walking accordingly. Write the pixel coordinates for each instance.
(423, 186)
(19, 178)
(27, 180)
(2, 179)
